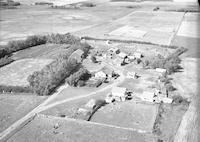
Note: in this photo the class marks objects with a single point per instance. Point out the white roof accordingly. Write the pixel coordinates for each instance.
(122, 54)
(100, 74)
(147, 95)
(137, 55)
(131, 57)
(161, 70)
(118, 91)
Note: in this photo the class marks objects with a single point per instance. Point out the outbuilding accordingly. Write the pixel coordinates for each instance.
(122, 55)
(137, 55)
(148, 96)
(100, 74)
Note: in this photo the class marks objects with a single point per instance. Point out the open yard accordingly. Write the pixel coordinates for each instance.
(16, 73)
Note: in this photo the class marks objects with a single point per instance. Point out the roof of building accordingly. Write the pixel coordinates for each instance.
(100, 74)
(78, 52)
(122, 54)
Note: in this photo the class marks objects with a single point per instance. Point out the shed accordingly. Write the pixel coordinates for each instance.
(148, 96)
(100, 74)
(122, 55)
(77, 55)
(131, 57)
(131, 75)
(160, 70)
(137, 55)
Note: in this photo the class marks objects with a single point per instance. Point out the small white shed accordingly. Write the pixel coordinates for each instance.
(100, 74)
(137, 55)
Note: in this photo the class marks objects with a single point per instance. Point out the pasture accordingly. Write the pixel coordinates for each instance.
(16, 73)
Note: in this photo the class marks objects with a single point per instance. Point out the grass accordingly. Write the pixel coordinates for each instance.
(16, 73)
(46, 51)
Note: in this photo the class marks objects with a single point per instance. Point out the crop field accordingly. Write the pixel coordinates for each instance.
(47, 51)
(16, 73)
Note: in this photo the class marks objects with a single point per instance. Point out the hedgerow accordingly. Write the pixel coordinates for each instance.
(17, 45)
(35, 40)
(51, 76)
(5, 61)
(62, 39)
(45, 81)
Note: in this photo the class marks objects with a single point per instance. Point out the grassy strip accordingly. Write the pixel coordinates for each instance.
(16, 89)
(5, 61)
(156, 127)
(131, 41)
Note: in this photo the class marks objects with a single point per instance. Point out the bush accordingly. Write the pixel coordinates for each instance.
(81, 74)
(15, 89)
(171, 63)
(45, 81)
(177, 99)
(62, 39)
(5, 61)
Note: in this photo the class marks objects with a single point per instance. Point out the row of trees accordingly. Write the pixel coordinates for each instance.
(35, 40)
(44, 82)
(171, 63)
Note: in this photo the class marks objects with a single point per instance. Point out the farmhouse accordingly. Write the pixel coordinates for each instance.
(77, 55)
(148, 96)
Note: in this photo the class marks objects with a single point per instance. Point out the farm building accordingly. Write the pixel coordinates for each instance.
(131, 75)
(137, 55)
(77, 55)
(122, 55)
(100, 74)
(148, 96)
(160, 70)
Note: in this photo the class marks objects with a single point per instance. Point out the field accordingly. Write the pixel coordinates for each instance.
(16, 73)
